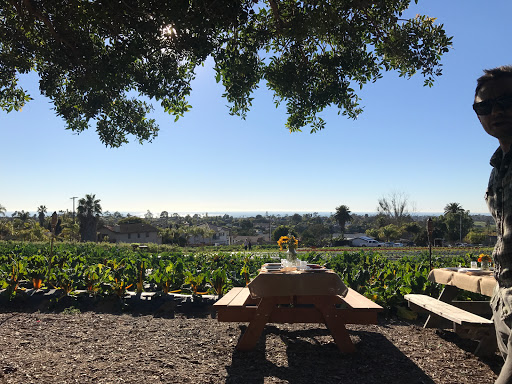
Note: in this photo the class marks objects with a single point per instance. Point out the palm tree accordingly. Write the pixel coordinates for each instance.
(457, 220)
(88, 212)
(453, 208)
(22, 215)
(2, 210)
(42, 212)
(342, 215)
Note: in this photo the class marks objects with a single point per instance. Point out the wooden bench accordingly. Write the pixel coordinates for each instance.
(238, 306)
(334, 311)
(446, 310)
(465, 324)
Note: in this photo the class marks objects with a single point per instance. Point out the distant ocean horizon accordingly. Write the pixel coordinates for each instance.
(290, 213)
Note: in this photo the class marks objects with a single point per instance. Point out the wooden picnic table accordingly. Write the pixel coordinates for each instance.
(469, 318)
(296, 297)
(482, 282)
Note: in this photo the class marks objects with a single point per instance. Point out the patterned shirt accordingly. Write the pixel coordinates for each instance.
(499, 201)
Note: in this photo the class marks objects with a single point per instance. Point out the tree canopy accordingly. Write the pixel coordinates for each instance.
(396, 206)
(94, 57)
(88, 211)
(342, 215)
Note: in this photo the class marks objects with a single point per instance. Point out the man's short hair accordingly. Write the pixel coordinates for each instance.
(492, 74)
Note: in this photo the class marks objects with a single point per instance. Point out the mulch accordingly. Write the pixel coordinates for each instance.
(74, 346)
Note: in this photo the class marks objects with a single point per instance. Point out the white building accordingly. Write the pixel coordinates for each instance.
(220, 236)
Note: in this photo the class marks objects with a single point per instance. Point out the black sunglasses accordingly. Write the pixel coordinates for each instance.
(485, 107)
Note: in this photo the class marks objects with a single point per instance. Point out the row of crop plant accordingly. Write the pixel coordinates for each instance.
(115, 270)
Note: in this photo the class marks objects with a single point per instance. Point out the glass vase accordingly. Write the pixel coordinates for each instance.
(484, 265)
(291, 256)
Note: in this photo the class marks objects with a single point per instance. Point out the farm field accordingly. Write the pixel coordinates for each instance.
(381, 274)
(72, 343)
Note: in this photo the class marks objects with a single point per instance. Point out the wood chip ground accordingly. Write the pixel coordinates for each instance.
(98, 348)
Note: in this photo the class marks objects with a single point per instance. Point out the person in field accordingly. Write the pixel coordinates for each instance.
(493, 106)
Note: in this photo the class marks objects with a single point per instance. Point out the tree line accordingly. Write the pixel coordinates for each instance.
(393, 222)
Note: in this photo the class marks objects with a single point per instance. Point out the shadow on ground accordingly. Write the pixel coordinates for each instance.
(376, 360)
(494, 362)
(55, 301)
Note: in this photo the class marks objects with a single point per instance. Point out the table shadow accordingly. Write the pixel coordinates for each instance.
(494, 362)
(308, 360)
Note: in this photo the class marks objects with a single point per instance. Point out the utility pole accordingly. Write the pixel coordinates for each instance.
(430, 230)
(74, 197)
(460, 228)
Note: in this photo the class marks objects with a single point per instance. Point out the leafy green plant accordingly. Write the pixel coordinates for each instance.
(169, 276)
(245, 271)
(68, 277)
(194, 282)
(12, 271)
(163, 276)
(94, 276)
(37, 269)
(66, 271)
(118, 277)
(141, 265)
(218, 279)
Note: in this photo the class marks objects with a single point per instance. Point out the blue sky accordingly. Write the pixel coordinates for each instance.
(423, 142)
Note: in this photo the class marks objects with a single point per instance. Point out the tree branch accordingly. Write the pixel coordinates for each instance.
(46, 21)
(277, 16)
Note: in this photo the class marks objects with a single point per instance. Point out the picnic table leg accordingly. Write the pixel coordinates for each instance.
(448, 293)
(253, 332)
(487, 344)
(336, 326)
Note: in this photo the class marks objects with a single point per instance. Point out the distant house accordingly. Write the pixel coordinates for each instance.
(220, 236)
(261, 225)
(130, 233)
(255, 240)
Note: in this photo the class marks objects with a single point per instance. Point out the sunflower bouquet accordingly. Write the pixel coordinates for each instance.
(290, 242)
(485, 261)
(484, 257)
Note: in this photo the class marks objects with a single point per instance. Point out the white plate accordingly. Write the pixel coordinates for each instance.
(273, 268)
(470, 270)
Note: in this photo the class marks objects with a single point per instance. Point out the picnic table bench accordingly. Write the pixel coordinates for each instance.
(469, 319)
(286, 298)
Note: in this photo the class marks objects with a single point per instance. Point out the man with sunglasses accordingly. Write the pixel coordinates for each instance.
(493, 106)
